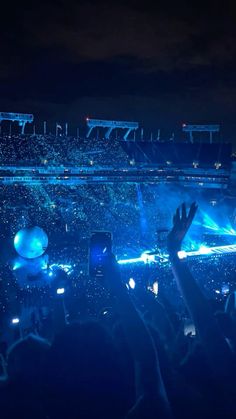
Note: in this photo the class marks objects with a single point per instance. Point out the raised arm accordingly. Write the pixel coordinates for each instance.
(152, 393)
(216, 348)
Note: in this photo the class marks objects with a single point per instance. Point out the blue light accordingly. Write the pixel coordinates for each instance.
(203, 250)
(127, 261)
(182, 254)
(31, 243)
(17, 265)
(208, 223)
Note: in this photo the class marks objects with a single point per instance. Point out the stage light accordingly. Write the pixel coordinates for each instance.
(203, 250)
(31, 242)
(128, 261)
(147, 258)
(131, 283)
(17, 265)
(15, 320)
(182, 254)
(60, 291)
(208, 251)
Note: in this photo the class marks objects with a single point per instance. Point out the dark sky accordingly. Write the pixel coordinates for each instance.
(160, 64)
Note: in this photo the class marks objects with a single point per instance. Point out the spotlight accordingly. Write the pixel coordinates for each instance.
(15, 320)
(195, 164)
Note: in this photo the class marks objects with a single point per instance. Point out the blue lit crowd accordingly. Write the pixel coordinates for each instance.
(148, 340)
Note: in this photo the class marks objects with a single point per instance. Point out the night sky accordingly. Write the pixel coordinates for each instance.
(160, 64)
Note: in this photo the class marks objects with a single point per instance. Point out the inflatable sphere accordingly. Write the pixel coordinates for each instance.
(31, 242)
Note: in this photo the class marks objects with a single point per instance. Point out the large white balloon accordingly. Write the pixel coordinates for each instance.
(31, 242)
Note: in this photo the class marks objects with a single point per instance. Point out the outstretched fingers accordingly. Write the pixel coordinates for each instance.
(184, 212)
(192, 211)
(181, 215)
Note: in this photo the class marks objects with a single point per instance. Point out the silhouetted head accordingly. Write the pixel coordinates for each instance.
(84, 374)
(25, 360)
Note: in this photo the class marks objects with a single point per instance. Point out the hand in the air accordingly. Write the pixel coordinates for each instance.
(181, 223)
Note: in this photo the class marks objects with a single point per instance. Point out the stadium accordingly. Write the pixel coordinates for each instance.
(114, 179)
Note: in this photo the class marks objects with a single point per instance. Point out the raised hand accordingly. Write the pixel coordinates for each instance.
(181, 223)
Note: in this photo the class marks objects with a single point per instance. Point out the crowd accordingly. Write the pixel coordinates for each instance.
(131, 359)
(51, 150)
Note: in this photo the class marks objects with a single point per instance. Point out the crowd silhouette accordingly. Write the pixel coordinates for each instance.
(135, 363)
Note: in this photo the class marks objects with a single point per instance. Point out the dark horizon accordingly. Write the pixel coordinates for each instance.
(159, 65)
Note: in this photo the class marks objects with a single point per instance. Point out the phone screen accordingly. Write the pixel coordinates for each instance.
(100, 247)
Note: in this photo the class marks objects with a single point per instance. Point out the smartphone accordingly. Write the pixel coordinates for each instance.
(99, 248)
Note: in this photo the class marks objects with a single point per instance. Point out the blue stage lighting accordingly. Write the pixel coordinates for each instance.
(128, 261)
(31, 243)
(147, 258)
(144, 258)
(182, 254)
(210, 251)
(16, 265)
